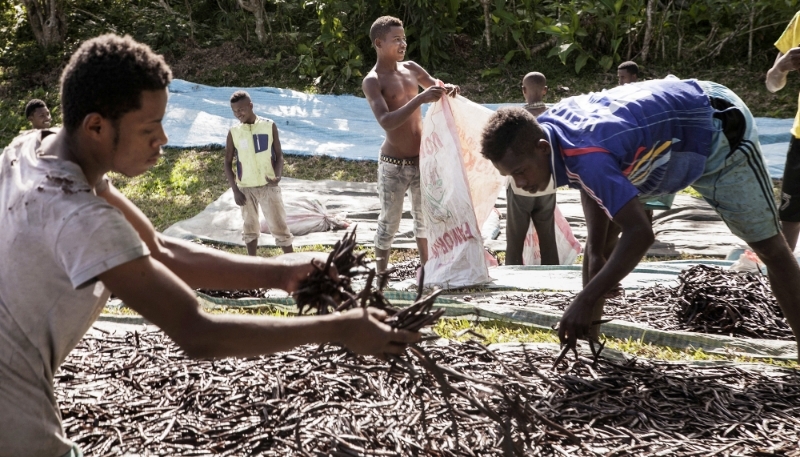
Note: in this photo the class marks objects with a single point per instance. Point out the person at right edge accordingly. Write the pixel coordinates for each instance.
(788, 59)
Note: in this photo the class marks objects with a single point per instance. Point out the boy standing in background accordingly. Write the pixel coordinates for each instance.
(255, 146)
(524, 207)
(392, 90)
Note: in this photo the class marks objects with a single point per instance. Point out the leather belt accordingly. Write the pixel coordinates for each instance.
(400, 162)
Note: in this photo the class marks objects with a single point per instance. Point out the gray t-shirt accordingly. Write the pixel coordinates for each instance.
(56, 237)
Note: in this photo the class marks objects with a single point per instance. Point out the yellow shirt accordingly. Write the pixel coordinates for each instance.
(253, 145)
(791, 39)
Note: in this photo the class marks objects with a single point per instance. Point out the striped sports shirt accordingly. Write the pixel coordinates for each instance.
(649, 138)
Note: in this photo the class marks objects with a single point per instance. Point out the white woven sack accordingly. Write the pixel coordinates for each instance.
(459, 189)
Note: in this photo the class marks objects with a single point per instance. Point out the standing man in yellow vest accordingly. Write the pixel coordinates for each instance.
(788, 59)
(254, 149)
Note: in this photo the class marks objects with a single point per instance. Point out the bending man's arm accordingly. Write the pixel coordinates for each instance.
(161, 297)
(597, 224)
(637, 236)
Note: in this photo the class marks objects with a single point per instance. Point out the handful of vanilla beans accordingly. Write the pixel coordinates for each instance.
(324, 293)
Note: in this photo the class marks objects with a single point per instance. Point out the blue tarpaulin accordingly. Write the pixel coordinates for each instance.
(335, 125)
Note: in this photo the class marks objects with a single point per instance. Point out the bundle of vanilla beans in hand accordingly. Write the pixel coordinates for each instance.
(324, 292)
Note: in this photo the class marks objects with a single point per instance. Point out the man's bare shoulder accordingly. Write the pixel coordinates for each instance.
(372, 75)
(413, 67)
(371, 80)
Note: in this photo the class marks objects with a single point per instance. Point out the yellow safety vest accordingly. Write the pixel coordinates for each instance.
(254, 154)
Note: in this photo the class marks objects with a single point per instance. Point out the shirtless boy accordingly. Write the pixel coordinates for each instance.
(392, 90)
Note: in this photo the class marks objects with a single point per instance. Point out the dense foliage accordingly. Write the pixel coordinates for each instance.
(326, 42)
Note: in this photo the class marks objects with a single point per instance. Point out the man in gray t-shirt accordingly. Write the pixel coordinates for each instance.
(69, 239)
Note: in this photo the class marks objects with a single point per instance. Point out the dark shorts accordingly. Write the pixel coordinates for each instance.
(790, 189)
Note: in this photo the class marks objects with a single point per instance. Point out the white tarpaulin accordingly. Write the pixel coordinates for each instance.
(336, 125)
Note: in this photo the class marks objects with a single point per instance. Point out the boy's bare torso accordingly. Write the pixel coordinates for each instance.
(398, 88)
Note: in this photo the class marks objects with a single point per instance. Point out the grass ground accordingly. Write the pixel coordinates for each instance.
(185, 181)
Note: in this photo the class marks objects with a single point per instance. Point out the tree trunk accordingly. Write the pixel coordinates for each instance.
(48, 21)
(487, 23)
(257, 8)
(191, 24)
(750, 35)
(648, 30)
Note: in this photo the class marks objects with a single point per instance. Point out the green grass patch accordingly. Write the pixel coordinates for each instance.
(180, 185)
(395, 255)
(185, 181)
(691, 192)
(315, 168)
(497, 331)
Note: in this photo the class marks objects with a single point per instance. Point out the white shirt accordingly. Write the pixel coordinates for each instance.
(551, 189)
(56, 237)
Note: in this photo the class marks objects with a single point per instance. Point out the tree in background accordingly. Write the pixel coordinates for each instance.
(257, 8)
(48, 21)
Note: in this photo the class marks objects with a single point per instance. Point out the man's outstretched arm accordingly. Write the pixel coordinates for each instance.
(637, 237)
(203, 267)
(162, 298)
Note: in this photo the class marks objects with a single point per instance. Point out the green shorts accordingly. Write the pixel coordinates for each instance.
(735, 181)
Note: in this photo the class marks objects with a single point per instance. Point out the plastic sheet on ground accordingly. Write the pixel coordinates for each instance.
(568, 277)
(711, 344)
(336, 125)
(221, 221)
(691, 227)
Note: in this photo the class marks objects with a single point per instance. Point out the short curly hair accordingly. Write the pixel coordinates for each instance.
(381, 27)
(107, 75)
(629, 66)
(32, 106)
(504, 128)
(239, 95)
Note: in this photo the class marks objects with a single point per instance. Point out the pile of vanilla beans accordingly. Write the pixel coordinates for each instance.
(707, 299)
(135, 393)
